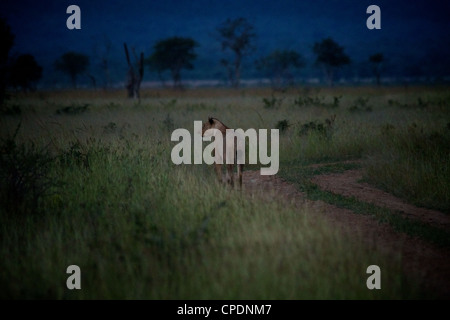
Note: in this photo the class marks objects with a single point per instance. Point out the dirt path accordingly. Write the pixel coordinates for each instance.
(347, 185)
(426, 262)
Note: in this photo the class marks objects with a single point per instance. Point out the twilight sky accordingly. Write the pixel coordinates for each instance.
(414, 35)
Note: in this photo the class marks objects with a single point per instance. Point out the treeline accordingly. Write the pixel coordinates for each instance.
(237, 38)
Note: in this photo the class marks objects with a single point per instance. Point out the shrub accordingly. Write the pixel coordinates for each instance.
(309, 101)
(323, 129)
(24, 175)
(272, 102)
(74, 156)
(282, 125)
(11, 111)
(359, 105)
(317, 102)
(73, 109)
(168, 123)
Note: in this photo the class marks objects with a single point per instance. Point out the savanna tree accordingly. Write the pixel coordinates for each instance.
(25, 72)
(73, 64)
(278, 66)
(376, 60)
(330, 55)
(236, 35)
(173, 54)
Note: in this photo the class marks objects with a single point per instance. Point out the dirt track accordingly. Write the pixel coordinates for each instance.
(426, 262)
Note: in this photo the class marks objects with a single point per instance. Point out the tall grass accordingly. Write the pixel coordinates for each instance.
(413, 163)
(403, 140)
(140, 227)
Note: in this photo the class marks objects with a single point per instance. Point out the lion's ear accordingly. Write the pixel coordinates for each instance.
(211, 120)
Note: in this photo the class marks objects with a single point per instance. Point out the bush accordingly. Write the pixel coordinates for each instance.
(168, 123)
(282, 125)
(11, 111)
(317, 102)
(273, 102)
(73, 109)
(359, 105)
(309, 101)
(24, 175)
(75, 156)
(323, 129)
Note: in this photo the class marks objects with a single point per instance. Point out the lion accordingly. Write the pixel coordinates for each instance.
(214, 123)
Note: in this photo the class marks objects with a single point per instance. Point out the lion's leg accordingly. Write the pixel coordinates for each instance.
(230, 176)
(240, 169)
(218, 168)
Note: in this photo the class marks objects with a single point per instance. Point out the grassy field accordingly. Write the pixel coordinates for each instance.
(87, 179)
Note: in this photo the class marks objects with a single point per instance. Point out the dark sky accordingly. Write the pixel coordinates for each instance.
(412, 32)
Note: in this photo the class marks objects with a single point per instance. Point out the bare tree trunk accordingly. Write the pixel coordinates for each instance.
(134, 78)
(73, 77)
(329, 72)
(93, 80)
(378, 76)
(160, 77)
(230, 76)
(106, 74)
(101, 51)
(237, 70)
